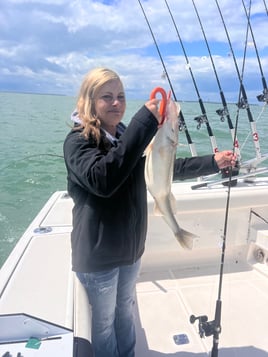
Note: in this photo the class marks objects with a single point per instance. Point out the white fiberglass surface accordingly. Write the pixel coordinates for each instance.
(166, 300)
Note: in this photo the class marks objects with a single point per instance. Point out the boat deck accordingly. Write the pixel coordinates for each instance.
(173, 283)
(166, 300)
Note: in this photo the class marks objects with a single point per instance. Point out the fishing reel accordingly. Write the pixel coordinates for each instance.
(222, 113)
(182, 125)
(263, 97)
(201, 119)
(205, 327)
(243, 103)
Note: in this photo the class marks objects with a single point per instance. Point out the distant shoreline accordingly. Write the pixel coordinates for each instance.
(35, 93)
(141, 99)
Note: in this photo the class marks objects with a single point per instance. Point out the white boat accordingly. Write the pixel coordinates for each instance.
(44, 310)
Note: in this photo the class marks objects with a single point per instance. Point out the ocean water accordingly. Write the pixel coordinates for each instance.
(33, 128)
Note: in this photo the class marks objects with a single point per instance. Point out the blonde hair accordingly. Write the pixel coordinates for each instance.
(91, 84)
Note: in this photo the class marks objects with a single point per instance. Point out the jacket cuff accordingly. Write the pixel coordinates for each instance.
(214, 164)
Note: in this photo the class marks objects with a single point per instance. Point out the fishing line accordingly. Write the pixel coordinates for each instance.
(224, 112)
(258, 118)
(30, 157)
(243, 100)
(264, 96)
(182, 123)
(35, 155)
(202, 118)
(251, 164)
(245, 51)
(213, 328)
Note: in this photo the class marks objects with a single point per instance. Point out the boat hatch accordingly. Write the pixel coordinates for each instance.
(24, 335)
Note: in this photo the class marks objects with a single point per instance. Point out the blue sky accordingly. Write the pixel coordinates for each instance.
(47, 46)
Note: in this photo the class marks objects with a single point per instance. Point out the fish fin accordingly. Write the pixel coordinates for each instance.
(186, 239)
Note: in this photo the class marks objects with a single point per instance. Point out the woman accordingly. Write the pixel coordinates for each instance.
(105, 167)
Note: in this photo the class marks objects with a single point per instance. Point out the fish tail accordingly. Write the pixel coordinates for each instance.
(185, 238)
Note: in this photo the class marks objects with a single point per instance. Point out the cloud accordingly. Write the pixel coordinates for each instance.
(48, 46)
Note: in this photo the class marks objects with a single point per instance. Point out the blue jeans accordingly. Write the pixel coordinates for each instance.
(111, 294)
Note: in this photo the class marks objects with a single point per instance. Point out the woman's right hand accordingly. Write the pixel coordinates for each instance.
(152, 105)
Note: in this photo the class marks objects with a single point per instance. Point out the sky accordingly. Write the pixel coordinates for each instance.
(47, 46)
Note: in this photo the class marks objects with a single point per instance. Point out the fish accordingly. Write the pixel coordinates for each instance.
(159, 164)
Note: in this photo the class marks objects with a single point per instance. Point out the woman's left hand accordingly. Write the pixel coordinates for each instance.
(225, 159)
(152, 105)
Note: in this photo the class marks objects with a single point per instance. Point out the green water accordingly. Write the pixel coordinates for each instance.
(33, 128)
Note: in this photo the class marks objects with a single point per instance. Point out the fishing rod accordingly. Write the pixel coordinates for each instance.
(223, 112)
(265, 7)
(264, 96)
(243, 100)
(182, 123)
(202, 118)
(213, 328)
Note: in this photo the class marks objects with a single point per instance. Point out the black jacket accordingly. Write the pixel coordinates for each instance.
(108, 189)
